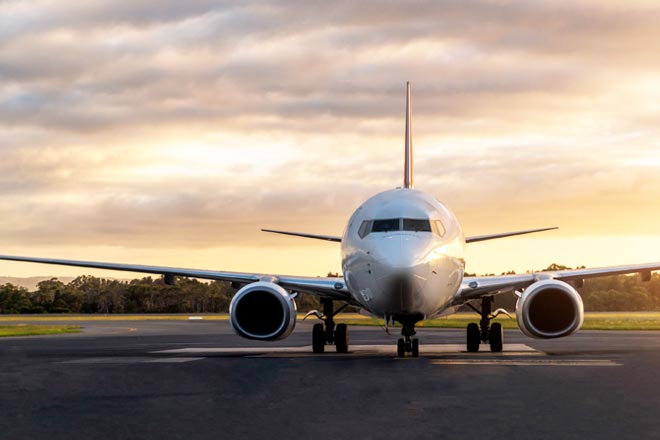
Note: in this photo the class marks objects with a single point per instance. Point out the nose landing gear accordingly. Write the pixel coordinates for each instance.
(409, 343)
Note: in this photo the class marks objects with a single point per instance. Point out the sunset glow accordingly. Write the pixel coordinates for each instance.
(171, 135)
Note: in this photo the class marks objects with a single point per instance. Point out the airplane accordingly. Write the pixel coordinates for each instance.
(402, 255)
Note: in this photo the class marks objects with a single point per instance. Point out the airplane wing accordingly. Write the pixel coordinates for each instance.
(329, 287)
(476, 238)
(478, 287)
(302, 234)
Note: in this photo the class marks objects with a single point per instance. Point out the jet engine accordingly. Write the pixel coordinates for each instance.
(549, 309)
(263, 311)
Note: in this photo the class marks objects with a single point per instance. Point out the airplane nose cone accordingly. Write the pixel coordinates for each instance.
(402, 271)
(400, 251)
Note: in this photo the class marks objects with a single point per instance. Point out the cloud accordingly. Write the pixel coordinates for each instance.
(193, 124)
(98, 62)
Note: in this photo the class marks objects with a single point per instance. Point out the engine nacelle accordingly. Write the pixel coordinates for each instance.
(549, 309)
(263, 311)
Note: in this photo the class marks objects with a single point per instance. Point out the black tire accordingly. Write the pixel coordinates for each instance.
(318, 338)
(341, 338)
(401, 348)
(473, 338)
(496, 337)
(415, 348)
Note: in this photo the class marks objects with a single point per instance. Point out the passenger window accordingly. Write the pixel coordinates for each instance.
(439, 228)
(391, 224)
(417, 225)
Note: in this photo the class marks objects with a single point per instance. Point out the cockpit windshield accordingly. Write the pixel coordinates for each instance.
(387, 225)
(417, 225)
(401, 224)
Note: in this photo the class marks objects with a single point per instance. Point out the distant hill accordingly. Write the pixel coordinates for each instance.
(30, 283)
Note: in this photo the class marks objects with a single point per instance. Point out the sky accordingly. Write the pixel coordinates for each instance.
(170, 132)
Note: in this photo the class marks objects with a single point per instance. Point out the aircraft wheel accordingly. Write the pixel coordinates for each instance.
(341, 338)
(415, 348)
(496, 337)
(401, 348)
(318, 338)
(473, 338)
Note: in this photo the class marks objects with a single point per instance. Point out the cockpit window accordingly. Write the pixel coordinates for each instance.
(365, 228)
(439, 228)
(417, 225)
(387, 225)
(399, 224)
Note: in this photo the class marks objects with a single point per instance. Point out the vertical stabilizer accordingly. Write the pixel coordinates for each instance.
(408, 166)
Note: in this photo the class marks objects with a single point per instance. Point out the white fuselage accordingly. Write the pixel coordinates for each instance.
(406, 267)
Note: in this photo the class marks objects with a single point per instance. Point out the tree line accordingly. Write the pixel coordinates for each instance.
(619, 293)
(88, 294)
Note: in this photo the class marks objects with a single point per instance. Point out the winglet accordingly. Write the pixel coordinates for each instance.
(408, 166)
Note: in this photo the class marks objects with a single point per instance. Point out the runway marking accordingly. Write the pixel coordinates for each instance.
(233, 350)
(438, 354)
(531, 362)
(424, 350)
(175, 360)
(131, 360)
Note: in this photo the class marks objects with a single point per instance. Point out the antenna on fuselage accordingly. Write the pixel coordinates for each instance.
(408, 166)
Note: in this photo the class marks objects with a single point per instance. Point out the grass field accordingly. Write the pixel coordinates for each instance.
(142, 317)
(592, 321)
(34, 330)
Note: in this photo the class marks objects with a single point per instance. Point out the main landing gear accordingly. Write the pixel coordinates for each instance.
(485, 332)
(327, 333)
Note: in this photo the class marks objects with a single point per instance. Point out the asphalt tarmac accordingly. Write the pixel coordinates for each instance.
(196, 380)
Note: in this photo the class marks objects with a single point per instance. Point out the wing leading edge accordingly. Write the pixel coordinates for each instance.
(478, 287)
(330, 287)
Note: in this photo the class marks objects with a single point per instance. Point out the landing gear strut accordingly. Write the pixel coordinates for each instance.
(329, 333)
(485, 332)
(408, 344)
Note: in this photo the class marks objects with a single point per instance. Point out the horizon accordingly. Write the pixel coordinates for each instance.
(171, 136)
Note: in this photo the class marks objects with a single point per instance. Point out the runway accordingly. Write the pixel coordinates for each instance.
(195, 379)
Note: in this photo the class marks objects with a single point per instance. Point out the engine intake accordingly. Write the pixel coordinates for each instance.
(549, 309)
(263, 311)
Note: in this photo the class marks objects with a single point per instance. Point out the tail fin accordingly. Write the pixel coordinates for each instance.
(408, 166)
